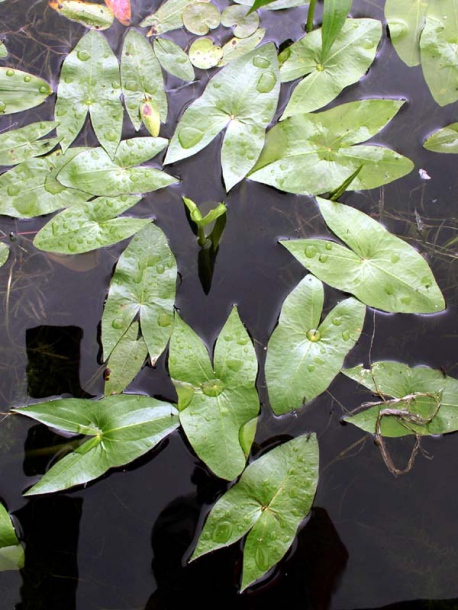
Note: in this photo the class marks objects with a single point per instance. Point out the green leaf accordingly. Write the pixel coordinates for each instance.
(89, 14)
(3, 49)
(11, 551)
(141, 77)
(204, 54)
(380, 269)
(216, 400)
(17, 145)
(444, 140)
(304, 356)
(30, 189)
(244, 23)
(143, 284)
(90, 81)
(4, 253)
(272, 5)
(245, 112)
(237, 47)
(173, 59)
(21, 91)
(125, 360)
(334, 16)
(406, 19)
(200, 17)
(168, 17)
(348, 60)
(87, 226)
(274, 494)
(94, 172)
(439, 48)
(395, 380)
(314, 153)
(123, 428)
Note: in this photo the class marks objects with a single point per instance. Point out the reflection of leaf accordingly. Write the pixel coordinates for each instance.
(216, 400)
(380, 269)
(21, 90)
(173, 59)
(316, 153)
(143, 284)
(88, 226)
(397, 380)
(123, 427)
(11, 551)
(444, 140)
(327, 75)
(406, 20)
(270, 500)
(89, 14)
(304, 356)
(94, 172)
(89, 82)
(245, 111)
(17, 145)
(125, 360)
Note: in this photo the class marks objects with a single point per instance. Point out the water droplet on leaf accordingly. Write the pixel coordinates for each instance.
(261, 62)
(83, 55)
(266, 82)
(222, 532)
(117, 323)
(313, 335)
(189, 137)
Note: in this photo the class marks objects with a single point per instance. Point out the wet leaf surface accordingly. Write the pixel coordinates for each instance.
(244, 24)
(173, 59)
(17, 145)
(444, 140)
(89, 14)
(204, 54)
(334, 15)
(125, 360)
(236, 47)
(168, 17)
(406, 19)
(11, 551)
(21, 91)
(200, 17)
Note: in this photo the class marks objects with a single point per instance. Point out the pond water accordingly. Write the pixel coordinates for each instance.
(373, 540)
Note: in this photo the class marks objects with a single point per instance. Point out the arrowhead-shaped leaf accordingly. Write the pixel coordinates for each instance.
(18, 145)
(143, 284)
(90, 82)
(420, 391)
(316, 153)
(274, 494)
(11, 551)
(380, 269)
(406, 19)
(173, 59)
(125, 361)
(245, 112)
(304, 356)
(444, 140)
(20, 90)
(216, 400)
(122, 427)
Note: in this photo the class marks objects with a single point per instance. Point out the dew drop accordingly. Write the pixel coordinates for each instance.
(337, 321)
(261, 559)
(328, 245)
(242, 341)
(261, 62)
(117, 323)
(394, 258)
(266, 82)
(228, 337)
(273, 535)
(83, 55)
(212, 387)
(60, 111)
(398, 29)
(10, 73)
(13, 190)
(310, 251)
(44, 89)
(293, 493)
(310, 368)
(234, 365)
(189, 137)
(116, 84)
(160, 268)
(164, 319)
(27, 78)
(2, 106)
(346, 335)
(406, 300)
(110, 135)
(72, 247)
(222, 532)
(323, 258)
(313, 335)
(389, 290)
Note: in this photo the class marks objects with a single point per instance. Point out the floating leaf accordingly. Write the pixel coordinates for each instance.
(167, 18)
(216, 400)
(141, 77)
(334, 16)
(143, 284)
(244, 24)
(439, 48)
(173, 59)
(94, 16)
(346, 62)
(236, 47)
(17, 145)
(274, 494)
(121, 9)
(88, 226)
(200, 17)
(315, 153)
(413, 390)
(30, 189)
(123, 428)
(94, 172)
(4, 253)
(380, 269)
(204, 54)
(245, 111)
(11, 551)
(304, 356)
(271, 5)
(89, 81)
(125, 361)
(444, 140)
(21, 90)
(406, 19)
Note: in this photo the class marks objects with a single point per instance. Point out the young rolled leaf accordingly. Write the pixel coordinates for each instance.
(94, 172)
(87, 226)
(274, 494)
(4, 253)
(143, 284)
(122, 428)
(141, 78)
(378, 268)
(125, 361)
(168, 17)
(90, 82)
(21, 91)
(334, 15)
(439, 47)
(315, 153)
(121, 9)
(18, 145)
(304, 355)
(30, 189)
(89, 14)
(216, 399)
(419, 391)
(406, 19)
(173, 59)
(444, 140)
(245, 112)
(349, 58)
(11, 551)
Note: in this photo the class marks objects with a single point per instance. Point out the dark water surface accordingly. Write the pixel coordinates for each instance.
(121, 543)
